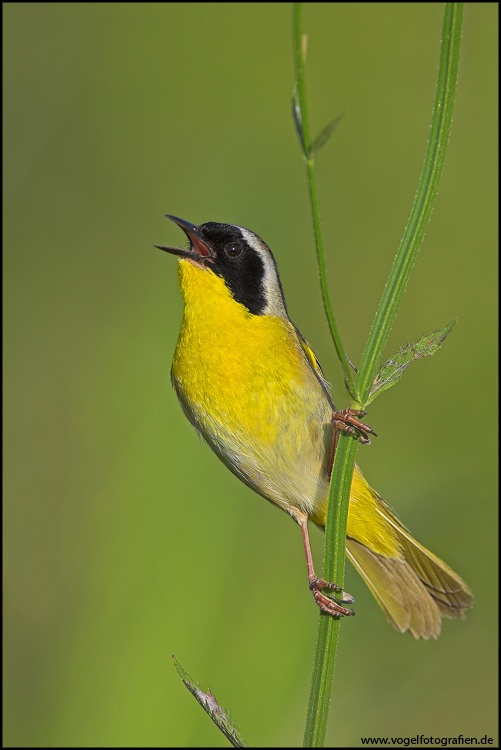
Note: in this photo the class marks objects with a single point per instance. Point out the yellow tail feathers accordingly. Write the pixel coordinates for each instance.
(414, 587)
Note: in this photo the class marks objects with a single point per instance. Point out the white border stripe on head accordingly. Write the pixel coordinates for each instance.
(273, 288)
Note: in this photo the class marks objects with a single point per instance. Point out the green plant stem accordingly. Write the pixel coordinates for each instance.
(423, 202)
(300, 60)
(328, 628)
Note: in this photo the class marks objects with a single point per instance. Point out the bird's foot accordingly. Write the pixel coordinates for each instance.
(347, 420)
(328, 604)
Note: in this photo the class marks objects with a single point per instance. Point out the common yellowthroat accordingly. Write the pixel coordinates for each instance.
(250, 384)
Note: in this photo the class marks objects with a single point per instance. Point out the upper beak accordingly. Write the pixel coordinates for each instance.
(198, 247)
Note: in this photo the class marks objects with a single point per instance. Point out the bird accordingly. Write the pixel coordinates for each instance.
(251, 386)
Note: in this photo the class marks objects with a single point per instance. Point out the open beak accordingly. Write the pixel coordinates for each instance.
(199, 249)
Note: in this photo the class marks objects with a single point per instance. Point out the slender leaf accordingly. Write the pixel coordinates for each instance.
(298, 117)
(325, 134)
(393, 369)
(219, 715)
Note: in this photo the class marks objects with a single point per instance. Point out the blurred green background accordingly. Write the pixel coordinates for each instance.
(125, 539)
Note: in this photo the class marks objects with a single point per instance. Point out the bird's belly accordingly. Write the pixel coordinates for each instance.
(272, 432)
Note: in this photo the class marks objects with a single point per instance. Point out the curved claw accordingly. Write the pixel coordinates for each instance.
(327, 604)
(346, 420)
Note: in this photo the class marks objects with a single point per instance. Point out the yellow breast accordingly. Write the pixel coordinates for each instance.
(244, 382)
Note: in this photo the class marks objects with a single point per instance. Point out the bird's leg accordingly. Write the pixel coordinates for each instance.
(346, 420)
(327, 604)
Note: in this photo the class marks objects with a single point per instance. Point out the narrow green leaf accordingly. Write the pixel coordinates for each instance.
(393, 369)
(219, 715)
(298, 118)
(325, 134)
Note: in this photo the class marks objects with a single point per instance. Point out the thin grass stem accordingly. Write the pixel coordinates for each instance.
(328, 627)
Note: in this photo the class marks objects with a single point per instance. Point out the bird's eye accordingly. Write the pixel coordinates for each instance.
(233, 249)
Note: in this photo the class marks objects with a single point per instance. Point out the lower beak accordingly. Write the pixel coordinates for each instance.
(198, 247)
